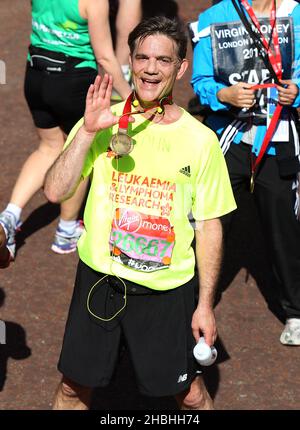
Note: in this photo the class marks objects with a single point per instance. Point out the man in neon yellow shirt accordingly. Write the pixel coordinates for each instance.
(136, 270)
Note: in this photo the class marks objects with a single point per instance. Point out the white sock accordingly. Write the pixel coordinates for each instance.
(67, 226)
(14, 209)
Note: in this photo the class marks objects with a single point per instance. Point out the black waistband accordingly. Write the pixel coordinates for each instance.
(51, 61)
(131, 287)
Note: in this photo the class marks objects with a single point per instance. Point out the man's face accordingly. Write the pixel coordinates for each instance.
(155, 67)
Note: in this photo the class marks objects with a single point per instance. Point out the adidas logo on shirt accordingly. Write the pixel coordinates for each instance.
(186, 171)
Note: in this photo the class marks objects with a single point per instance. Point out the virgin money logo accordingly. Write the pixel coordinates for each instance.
(129, 221)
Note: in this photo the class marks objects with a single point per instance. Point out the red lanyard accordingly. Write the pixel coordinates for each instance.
(275, 60)
(268, 135)
(124, 119)
(276, 63)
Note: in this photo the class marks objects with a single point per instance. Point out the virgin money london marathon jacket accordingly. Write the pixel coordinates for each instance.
(225, 55)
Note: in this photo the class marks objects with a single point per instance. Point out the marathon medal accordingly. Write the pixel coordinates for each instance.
(121, 143)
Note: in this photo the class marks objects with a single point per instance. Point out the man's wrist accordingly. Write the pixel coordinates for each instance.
(87, 132)
(205, 305)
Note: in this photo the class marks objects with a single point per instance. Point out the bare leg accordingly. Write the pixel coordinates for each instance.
(70, 208)
(72, 396)
(2, 237)
(128, 16)
(4, 253)
(196, 398)
(31, 177)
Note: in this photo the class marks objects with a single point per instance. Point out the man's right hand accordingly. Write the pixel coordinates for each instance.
(98, 115)
(239, 95)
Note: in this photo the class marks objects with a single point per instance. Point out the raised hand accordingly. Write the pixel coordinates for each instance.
(98, 114)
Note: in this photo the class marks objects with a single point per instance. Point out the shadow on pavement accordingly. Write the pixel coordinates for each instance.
(167, 8)
(245, 248)
(39, 218)
(14, 347)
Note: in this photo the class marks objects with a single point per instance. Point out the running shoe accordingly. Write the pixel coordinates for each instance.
(10, 226)
(291, 332)
(65, 243)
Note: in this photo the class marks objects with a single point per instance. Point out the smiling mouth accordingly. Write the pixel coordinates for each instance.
(150, 81)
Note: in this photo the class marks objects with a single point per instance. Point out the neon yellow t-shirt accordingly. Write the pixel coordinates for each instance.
(137, 212)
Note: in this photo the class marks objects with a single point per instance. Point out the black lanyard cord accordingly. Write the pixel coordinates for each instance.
(257, 41)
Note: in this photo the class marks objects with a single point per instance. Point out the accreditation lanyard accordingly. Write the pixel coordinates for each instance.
(276, 63)
(275, 60)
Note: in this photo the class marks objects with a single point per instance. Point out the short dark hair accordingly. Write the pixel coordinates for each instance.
(160, 25)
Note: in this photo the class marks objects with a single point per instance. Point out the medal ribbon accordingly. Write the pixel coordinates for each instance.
(276, 63)
(124, 119)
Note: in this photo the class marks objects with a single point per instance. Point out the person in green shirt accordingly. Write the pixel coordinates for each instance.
(136, 274)
(70, 42)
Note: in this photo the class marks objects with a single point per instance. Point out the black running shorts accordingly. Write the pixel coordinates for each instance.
(57, 99)
(156, 327)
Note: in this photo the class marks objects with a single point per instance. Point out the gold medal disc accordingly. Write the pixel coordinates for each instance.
(121, 144)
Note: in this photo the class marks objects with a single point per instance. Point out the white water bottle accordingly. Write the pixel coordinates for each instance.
(204, 354)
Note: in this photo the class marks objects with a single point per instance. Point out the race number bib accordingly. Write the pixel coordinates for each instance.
(140, 241)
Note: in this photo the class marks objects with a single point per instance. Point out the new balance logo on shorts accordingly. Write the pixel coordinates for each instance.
(186, 171)
(182, 378)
